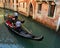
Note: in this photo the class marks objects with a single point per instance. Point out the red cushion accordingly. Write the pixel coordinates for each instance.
(9, 23)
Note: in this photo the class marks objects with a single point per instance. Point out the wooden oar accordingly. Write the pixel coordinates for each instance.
(26, 29)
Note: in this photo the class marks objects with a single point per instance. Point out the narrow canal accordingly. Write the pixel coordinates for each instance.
(10, 40)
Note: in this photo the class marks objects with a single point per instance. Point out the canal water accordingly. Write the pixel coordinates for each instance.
(10, 40)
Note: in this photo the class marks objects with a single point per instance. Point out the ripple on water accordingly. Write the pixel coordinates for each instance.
(11, 46)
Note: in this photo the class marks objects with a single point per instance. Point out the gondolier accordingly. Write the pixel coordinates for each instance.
(16, 15)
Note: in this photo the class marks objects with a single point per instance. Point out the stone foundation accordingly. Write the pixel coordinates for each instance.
(23, 13)
(47, 21)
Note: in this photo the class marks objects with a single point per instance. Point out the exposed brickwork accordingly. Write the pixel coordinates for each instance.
(49, 22)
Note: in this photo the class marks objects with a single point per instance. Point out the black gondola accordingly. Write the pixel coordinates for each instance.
(24, 32)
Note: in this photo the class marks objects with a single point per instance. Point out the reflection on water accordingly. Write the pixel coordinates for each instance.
(10, 46)
(9, 39)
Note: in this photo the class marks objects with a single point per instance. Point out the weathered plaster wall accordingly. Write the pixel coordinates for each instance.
(43, 17)
(1, 4)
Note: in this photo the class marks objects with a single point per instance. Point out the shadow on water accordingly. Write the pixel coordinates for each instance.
(22, 41)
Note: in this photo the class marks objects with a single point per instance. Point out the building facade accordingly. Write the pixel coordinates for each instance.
(1, 3)
(11, 4)
(43, 11)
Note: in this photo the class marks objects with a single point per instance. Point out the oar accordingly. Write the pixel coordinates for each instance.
(26, 29)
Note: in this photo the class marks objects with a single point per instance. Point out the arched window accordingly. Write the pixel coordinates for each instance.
(51, 8)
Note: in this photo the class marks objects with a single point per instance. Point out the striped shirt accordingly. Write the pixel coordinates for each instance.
(18, 24)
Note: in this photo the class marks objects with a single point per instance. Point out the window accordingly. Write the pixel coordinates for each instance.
(5, 0)
(51, 9)
(39, 8)
(13, 1)
(17, 6)
(9, 1)
(16, 1)
(23, 5)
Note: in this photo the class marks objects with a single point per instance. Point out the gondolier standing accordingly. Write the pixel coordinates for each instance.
(16, 15)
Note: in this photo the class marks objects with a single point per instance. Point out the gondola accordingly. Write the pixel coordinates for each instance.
(24, 32)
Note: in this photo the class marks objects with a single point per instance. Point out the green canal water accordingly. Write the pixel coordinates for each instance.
(10, 40)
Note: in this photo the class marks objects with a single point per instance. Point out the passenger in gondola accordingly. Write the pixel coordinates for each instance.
(18, 25)
(13, 21)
